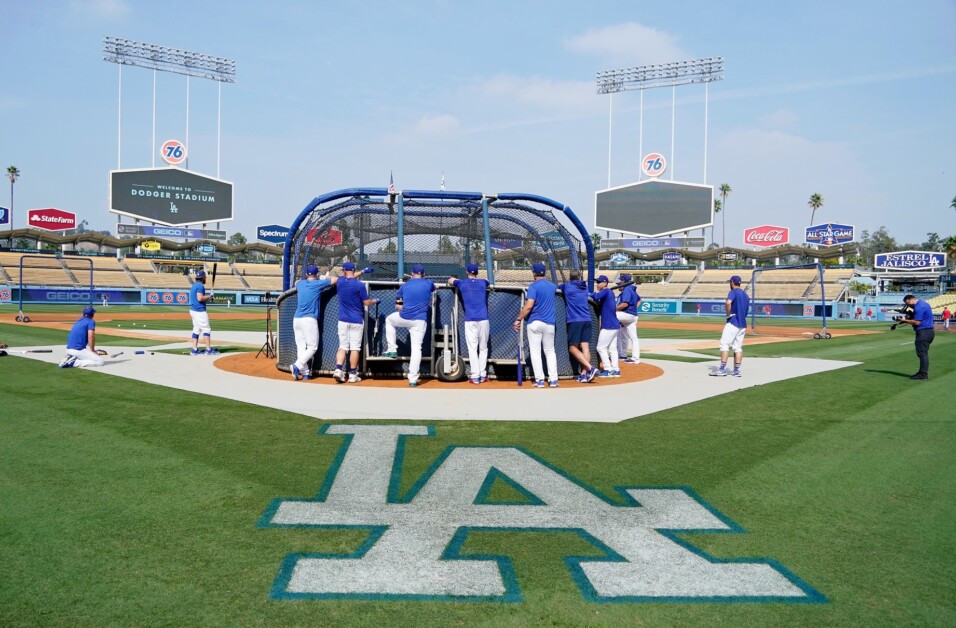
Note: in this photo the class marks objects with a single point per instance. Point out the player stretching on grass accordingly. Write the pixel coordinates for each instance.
(197, 312)
(579, 325)
(736, 308)
(474, 296)
(610, 327)
(81, 342)
(305, 321)
(412, 302)
(353, 297)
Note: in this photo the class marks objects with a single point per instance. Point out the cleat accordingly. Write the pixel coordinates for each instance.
(390, 354)
(539, 383)
(632, 361)
(339, 374)
(195, 352)
(615, 373)
(354, 378)
(296, 374)
(917, 376)
(475, 380)
(592, 374)
(412, 384)
(553, 383)
(212, 352)
(737, 373)
(484, 379)
(721, 372)
(66, 362)
(306, 377)
(606, 374)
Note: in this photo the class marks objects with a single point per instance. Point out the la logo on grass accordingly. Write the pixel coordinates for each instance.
(413, 549)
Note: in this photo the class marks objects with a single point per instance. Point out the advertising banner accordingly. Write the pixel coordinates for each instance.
(650, 243)
(327, 237)
(672, 257)
(4, 216)
(505, 245)
(51, 219)
(728, 256)
(656, 307)
(170, 232)
(829, 233)
(170, 196)
(74, 295)
(276, 234)
(766, 236)
(910, 260)
(150, 245)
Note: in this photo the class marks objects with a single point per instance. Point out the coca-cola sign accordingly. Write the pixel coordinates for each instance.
(766, 235)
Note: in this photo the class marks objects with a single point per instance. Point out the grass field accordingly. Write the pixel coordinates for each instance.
(131, 504)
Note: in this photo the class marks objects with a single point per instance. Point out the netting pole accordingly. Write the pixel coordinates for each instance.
(401, 237)
(489, 261)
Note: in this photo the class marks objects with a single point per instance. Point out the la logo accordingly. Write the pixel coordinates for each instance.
(414, 542)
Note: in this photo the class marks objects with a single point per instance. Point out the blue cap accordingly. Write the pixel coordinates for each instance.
(89, 311)
(537, 268)
(623, 277)
(348, 266)
(311, 269)
(200, 274)
(418, 269)
(601, 279)
(735, 279)
(472, 268)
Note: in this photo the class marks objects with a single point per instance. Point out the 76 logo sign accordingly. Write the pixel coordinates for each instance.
(173, 152)
(654, 165)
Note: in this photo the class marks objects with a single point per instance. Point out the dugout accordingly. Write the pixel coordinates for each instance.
(445, 231)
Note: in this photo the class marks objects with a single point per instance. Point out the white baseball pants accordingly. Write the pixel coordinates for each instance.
(627, 335)
(85, 357)
(416, 330)
(541, 334)
(607, 349)
(476, 337)
(306, 330)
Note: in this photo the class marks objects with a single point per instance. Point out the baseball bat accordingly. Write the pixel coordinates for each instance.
(28, 350)
(215, 267)
(520, 365)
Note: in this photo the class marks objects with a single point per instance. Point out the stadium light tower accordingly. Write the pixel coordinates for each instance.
(664, 75)
(162, 59)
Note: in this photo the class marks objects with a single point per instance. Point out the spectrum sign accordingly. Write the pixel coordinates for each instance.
(830, 233)
(51, 219)
(766, 235)
(276, 234)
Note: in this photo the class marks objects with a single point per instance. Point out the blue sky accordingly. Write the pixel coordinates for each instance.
(853, 100)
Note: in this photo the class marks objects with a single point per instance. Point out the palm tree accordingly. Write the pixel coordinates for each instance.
(953, 204)
(717, 208)
(815, 203)
(724, 191)
(13, 174)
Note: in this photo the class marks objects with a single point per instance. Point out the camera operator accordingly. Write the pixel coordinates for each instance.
(921, 319)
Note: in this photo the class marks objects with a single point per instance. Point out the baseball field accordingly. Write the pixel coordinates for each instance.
(824, 499)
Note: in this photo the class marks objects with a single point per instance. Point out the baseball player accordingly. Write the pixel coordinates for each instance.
(610, 327)
(81, 342)
(474, 296)
(305, 321)
(575, 292)
(736, 308)
(198, 297)
(411, 303)
(539, 311)
(627, 304)
(353, 297)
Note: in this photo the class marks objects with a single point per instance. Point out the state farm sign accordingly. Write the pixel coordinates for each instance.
(51, 219)
(766, 235)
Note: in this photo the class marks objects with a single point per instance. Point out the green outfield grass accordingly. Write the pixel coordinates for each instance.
(124, 503)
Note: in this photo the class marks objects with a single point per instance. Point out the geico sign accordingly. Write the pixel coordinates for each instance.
(67, 296)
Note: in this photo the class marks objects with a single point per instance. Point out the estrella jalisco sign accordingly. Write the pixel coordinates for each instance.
(910, 260)
(830, 233)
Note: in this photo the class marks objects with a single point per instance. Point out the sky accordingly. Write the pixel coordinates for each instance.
(852, 100)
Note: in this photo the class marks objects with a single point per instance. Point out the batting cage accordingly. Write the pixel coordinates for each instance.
(444, 231)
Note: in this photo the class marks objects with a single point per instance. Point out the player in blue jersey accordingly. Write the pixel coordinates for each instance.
(353, 297)
(923, 325)
(198, 297)
(305, 321)
(627, 303)
(474, 296)
(539, 311)
(607, 338)
(81, 342)
(736, 307)
(578, 318)
(411, 303)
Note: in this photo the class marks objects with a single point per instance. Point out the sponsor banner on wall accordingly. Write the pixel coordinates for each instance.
(728, 256)
(766, 235)
(650, 243)
(170, 232)
(74, 295)
(910, 260)
(165, 297)
(4, 216)
(5, 295)
(775, 309)
(656, 307)
(829, 233)
(51, 219)
(268, 298)
(275, 234)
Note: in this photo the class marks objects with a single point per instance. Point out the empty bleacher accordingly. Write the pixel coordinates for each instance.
(712, 284)
(260, 276)
(108, 272)
(40, 270)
